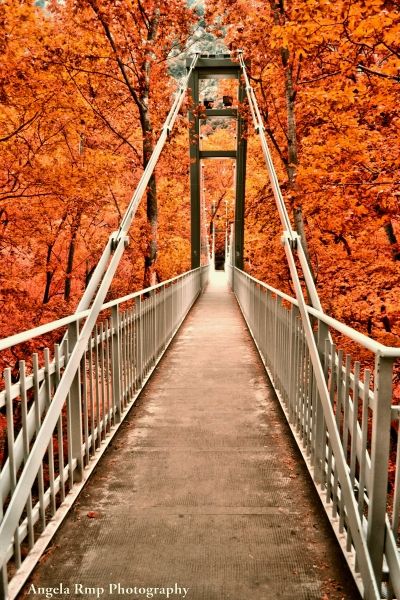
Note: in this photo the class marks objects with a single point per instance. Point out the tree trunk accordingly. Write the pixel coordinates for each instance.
(292, 161)
(49, 275)
(140, 95)
(391, 236)
(151, 205)
(71, 254)
(291, 118)
(150, 274)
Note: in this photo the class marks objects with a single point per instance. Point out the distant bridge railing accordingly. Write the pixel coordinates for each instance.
(127, 342)
(360, 448)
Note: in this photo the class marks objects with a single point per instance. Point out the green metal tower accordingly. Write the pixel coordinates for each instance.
(215, 67)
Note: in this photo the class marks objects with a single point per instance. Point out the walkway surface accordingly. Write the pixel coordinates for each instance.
(203, 490)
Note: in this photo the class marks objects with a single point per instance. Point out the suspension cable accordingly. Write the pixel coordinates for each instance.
(260, 129)
(288, 233)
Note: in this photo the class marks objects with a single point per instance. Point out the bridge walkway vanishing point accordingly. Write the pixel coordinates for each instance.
(203, 486)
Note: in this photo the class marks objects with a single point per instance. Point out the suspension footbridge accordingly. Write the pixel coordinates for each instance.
(236, 428)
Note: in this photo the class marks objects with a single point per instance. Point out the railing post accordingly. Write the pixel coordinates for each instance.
(140, 330)
(76, 407)
(320, 428)
(116, 363)
(293, 362)
(380, 447)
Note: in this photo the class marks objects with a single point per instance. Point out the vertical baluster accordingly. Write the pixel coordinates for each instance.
(140, 340)
(144, 337)
(320, 425)
(354, 435)
(102, 383)
(314, 425)
(161, 320)
(298, 375)
(345, 432)
(50, 449)
(380, 450)
(303, 355)
(396, 495)
(169, 310)
(127, 355)
(25, 438)
(160, 317)
(97, 385)
(274, 339)
(338, 414)
(124, 333)
(303, 387)
(259, 340)
(91, 396)
(332, 356)
(293, 363)
(60, 437)
(35, 370)
(306, 395)
(289, 349)
(165, 328)
(11, 458)
(364, 439)
(135, 347)
(76, 406)
(149, 302)
(85, 406)
(124, 361)
(150, 324)
(108, 374)
(132, 350)
(116, 363)
(268, 328)
(155, 298)
(309, 404)
(281, 359)
(324, 437)
(3, 570)
(264, 325)
(145, 346)
(69, 426)
(282, 350)
(277, 344)
(156, 317)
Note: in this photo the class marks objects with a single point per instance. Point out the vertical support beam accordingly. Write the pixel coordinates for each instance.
(380, 447)
(194, 150)
(240, 181)
(116, 363)
(320, 429)
(76, 406)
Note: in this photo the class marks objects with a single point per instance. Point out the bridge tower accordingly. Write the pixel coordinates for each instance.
(215, 67)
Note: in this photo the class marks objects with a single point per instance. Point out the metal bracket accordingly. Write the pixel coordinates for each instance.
(291, 239)
(167, 129)
(115, 239)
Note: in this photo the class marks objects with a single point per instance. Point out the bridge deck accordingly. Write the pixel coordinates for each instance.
(203, 486)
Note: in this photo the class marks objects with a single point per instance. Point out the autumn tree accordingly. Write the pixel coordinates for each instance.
(72, 108)
(326, 78)
(124, 48)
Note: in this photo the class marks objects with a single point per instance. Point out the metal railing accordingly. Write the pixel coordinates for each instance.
(358, 448)
(125, 345)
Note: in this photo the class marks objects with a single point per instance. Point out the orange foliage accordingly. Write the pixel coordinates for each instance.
(73, 145)
(326, 77)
